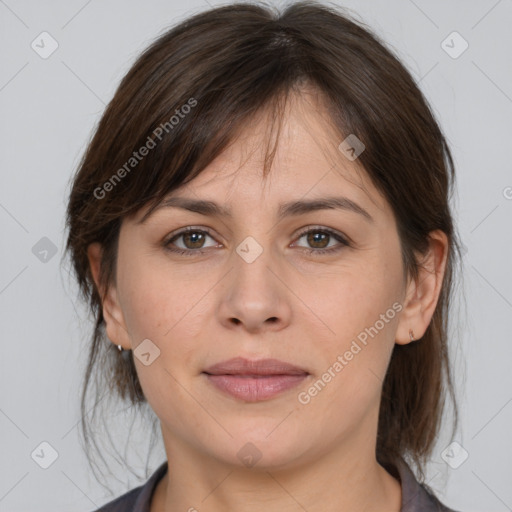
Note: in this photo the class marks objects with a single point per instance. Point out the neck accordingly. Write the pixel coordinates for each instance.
(348, 481)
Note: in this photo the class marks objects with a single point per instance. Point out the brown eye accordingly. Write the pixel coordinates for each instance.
(188, 241)
(318, 241)
(193, 240)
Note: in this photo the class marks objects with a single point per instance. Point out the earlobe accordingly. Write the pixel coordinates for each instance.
(112, 313)
(423, 293)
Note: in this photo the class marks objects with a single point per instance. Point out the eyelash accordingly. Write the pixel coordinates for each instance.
(191, 252)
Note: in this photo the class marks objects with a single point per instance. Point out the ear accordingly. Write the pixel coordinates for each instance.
(422, 293)
(112, 312)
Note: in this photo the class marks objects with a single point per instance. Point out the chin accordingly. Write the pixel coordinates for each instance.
(262, 446)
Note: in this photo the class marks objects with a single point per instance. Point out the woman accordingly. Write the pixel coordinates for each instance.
(261, 224)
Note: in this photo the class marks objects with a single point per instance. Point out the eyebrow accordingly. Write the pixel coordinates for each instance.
(292, 208)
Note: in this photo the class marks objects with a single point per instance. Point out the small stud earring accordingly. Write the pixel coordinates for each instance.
(411, 334)
(119, 348)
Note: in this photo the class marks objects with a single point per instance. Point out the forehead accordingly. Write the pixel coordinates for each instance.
(307, 162)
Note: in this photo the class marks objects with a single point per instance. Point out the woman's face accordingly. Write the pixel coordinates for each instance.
(256, 284)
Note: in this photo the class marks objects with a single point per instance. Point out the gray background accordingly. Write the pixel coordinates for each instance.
(48, 110)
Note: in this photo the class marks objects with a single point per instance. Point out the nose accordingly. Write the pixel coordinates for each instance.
(255, 296)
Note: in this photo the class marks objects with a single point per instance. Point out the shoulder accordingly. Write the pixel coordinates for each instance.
(415, 496)
(138, 499)
(124, 503)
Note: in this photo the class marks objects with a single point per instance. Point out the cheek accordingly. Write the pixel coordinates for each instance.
(166, 309)
(347, 389)
(157, 302)
(359, 300)
(361, 308)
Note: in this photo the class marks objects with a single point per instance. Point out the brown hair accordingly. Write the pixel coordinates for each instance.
(227, 64)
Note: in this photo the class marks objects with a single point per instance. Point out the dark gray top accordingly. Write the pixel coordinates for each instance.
(415, 497)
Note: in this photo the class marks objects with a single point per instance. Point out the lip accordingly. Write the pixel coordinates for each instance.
(254, 380)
